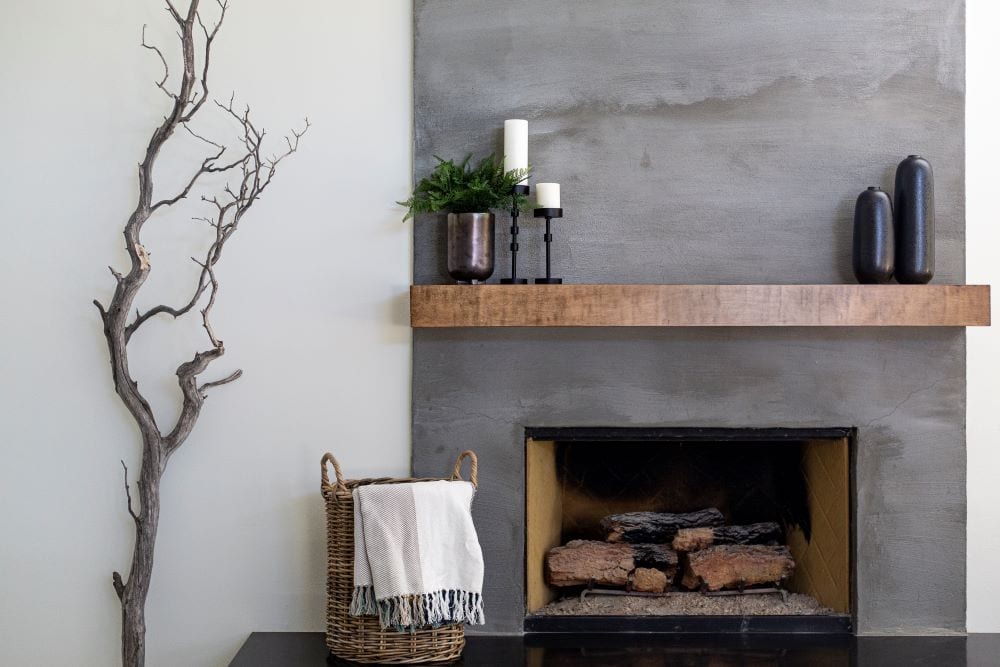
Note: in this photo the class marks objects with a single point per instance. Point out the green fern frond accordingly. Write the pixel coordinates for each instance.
(461, 188)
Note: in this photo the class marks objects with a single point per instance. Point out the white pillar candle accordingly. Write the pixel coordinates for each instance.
(515, 144)
(547, 195)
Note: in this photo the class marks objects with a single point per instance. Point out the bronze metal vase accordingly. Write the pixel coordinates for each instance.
(471, 241)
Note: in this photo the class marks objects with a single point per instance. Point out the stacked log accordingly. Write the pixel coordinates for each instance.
(737, 566)
(656, 527)
(641, 553)
(649, 580)
(695, 539)
(586, 562)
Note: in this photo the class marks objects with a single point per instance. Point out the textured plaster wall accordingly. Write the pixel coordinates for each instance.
(698, 141)
(707, 142)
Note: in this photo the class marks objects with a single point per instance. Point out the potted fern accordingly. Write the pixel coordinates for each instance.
(468, 194)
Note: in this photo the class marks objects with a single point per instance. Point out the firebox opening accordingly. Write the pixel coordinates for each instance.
(799, 479)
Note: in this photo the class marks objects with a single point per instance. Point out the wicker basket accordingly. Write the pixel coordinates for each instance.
(361, 638)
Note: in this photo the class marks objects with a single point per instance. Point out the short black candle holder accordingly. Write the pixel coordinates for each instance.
(548, 214)
(520, 189)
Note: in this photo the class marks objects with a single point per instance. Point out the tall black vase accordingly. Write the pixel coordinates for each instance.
(914, 221)
(874, 249)
(470, 246)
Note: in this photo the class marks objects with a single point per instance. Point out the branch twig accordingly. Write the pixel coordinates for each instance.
(209, 38)
(235, 375)
(116, 581)
(166, 70)
(173, 12)
(128, 493)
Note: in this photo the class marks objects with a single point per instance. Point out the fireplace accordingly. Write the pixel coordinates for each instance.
(693, 168)
(794, 484)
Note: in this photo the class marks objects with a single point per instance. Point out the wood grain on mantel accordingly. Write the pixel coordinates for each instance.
(699, 305)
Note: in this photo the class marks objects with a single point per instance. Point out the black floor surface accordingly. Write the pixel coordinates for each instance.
(308, 649)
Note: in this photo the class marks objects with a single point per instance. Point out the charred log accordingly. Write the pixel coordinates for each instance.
(584, 562)
(695, 539)
(736, 566)
(587, 562)
(648, 580)
(658, 556)
(656, 527)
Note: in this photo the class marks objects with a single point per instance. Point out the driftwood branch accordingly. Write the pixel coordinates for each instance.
(161, 84)
(128, 494)
(209, 38)
(119, 586)
(235, 375)
(206, 168)
(173, 12)
(250, 174)
(194, 134)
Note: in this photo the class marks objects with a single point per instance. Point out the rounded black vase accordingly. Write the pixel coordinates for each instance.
(914, 211)
(873, 237)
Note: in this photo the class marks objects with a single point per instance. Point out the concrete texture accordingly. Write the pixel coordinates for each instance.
(707, 142)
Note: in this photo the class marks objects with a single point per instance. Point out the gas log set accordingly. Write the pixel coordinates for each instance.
(652, 552)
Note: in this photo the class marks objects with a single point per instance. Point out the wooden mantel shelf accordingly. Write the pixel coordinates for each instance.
(699, 305)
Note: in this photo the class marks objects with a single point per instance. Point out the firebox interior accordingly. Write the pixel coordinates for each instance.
(800, 480)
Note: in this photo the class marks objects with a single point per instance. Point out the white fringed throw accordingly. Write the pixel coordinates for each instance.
(417, 559)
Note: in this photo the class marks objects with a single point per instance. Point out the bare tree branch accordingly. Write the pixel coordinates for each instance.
(166, 70)
(235, 375)
(164, 309)
(216, 343)
(207, 167)
(173, 12)
(116, 581)
(209, 38)
(187, 380)
(128, 494)
(194, 134)
(249, 175)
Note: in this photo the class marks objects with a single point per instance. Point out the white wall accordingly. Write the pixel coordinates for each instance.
(319, 329)
(983, 249)
(312, 308)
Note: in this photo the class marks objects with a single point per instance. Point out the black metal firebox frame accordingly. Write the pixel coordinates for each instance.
(836, 624)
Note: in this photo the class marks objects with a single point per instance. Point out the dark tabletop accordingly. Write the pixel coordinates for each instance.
(308, 649)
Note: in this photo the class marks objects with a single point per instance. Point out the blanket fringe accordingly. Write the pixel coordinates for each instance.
(363, 602)
(409, 612)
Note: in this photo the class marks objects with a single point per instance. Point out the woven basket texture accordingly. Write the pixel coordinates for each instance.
(361, 638)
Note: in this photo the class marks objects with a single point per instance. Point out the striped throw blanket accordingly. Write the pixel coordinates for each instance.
(417, 559)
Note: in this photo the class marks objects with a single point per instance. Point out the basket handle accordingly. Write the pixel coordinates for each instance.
(329, 458)
(456, 472)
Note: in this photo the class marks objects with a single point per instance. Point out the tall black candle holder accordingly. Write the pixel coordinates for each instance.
(519, 190)
(548, 214)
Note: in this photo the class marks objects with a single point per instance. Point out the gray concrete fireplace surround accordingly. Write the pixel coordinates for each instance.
(706, 142)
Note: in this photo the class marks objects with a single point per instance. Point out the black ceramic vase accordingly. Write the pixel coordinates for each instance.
(914, 211)
(873, 237)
